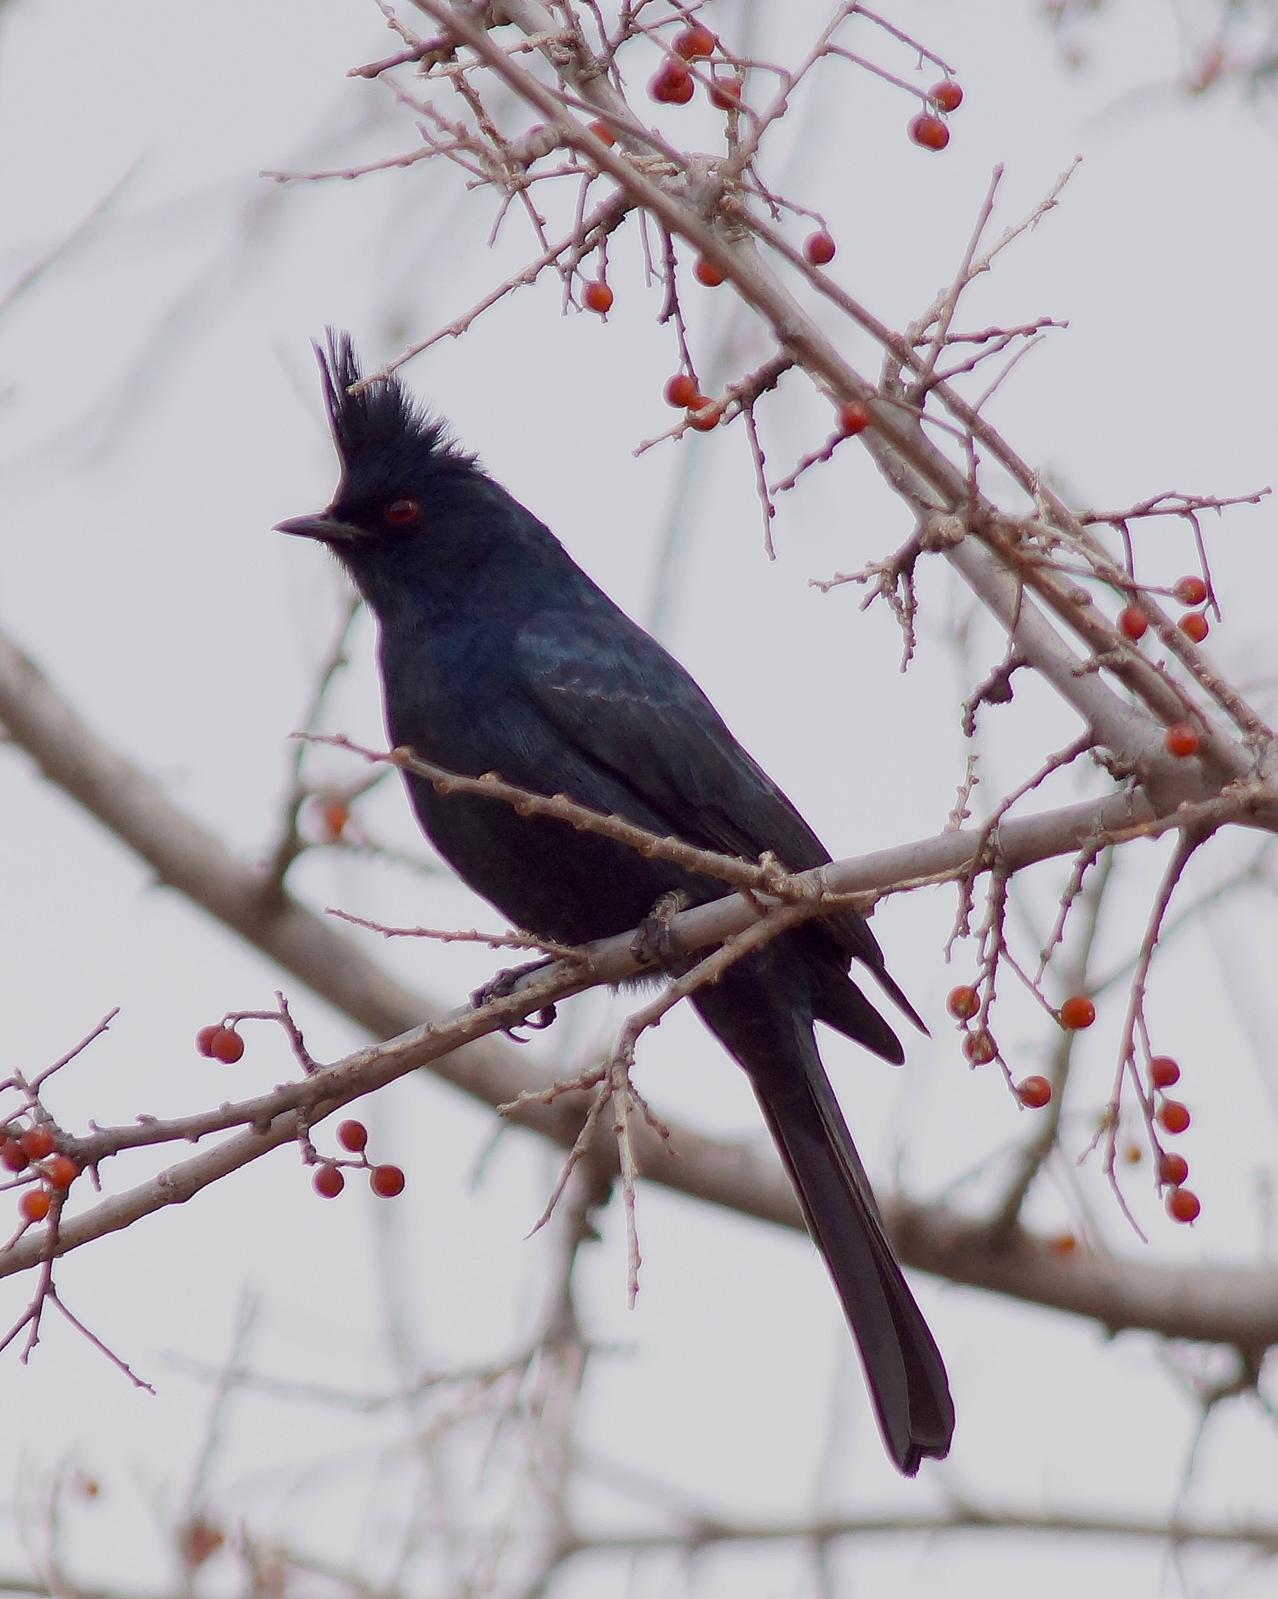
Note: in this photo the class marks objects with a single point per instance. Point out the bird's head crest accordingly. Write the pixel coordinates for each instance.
(379, 431)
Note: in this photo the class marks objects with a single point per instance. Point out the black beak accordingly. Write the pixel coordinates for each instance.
(328, 529)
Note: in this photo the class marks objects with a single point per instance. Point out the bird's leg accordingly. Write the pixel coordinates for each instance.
(502, 984)
(654, 942)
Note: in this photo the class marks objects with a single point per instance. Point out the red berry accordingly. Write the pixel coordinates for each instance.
(328, 1181)
(672, 84)
(704, 416)
(1172, 1169)
(13, 1156)
(694, 43)
(352, 1135)
(929, 131)
(1163, 1071)
(681, 391)
(963, 1002)
(227, 1046)
(1194, 625)
(853, 418)
(1174, 1116)
(61, 1171)
(819, 248)
(1183, 1205)
(603, 132)
(35, 1204)
(386, 1181)
(725, 94)
(204, 1038)
(1190, 591)
(1133, 622)
(1077, 1012)
(946, 95)
(1034, 1092)
(37, 1142)
(335, 814)
(979, 1048)
(706, 272)
(598, 297)
(1181, 740)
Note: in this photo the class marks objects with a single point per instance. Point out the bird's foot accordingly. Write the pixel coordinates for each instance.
(654, 942)
(502, 984)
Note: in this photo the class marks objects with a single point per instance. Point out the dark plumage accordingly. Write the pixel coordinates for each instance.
(498, 653)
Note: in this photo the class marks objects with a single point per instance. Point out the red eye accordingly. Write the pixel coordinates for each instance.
(402, 513)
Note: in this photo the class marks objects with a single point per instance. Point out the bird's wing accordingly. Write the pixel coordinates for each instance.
(628, 706)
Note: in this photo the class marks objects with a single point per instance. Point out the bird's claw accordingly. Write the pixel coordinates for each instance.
(503, 984)
(654, 942)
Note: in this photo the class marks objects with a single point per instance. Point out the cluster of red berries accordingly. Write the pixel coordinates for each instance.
(387, 1182)
(1173, 1116)
(684, 393)
(1189, 590)
(929, 131)
(23, 1147)
(963, 1003)
(674, 84)
(219, 1042)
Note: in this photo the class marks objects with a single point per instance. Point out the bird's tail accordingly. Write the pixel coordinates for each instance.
(903, 1367)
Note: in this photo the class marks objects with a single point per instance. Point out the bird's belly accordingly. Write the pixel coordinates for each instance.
(542, 874)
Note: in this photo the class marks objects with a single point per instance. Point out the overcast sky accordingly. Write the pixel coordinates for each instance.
(162, 412)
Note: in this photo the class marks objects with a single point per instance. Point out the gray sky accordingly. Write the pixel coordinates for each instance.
(162, 412)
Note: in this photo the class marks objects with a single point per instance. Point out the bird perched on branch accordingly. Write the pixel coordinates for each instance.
(498, 653)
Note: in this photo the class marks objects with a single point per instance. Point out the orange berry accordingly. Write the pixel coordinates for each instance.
(694, 43)
(386, 1181)
(35, 1204)
(328, 1181)
(1034, 1092)
(819, 248)
(706, 272)
(946, 95)
(1194, 625)
(979, 1048)
(1163, 1071)
(929, 132)
(854, 418)
(1077, 1012)
(353, 1136)
(1181, 740)
(1063, 1244)
(962, 1002)
(706, 416)
(61, 1170)
(335, 813)
(1190, 591)
(227, 1046)
(681, 391)
(1133, 621)
(1183, 1205)
(672, 84)
(204, 1038)
(1172, 1169)
(37, 1142)
(598, 297)
(725, 94)
(603, 132)
(1174, 1116)
(1133, 1154)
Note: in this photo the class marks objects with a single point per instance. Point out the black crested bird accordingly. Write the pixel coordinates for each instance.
(498, 653)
